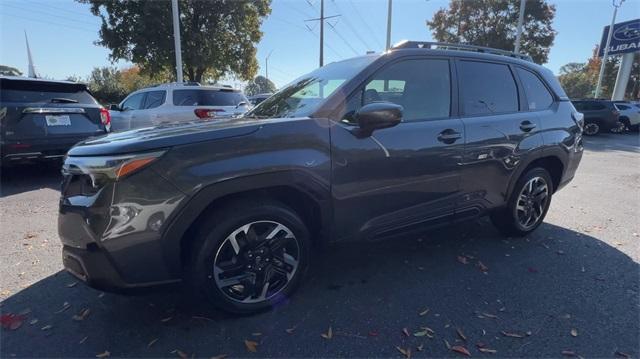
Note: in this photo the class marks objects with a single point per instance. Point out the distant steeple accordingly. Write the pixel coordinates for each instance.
(32, 68)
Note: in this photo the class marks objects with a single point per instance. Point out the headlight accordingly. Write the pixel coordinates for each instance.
(103, 169)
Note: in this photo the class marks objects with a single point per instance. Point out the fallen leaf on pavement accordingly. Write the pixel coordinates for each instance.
(256, 334)
(624, 355)
(104, 354)
(290, 330)
(164, 320)
(560, 252)
(405, 331)
(460, 349)
(82, 315)
(446, 344)
(574, 332)
(512, 335)
(328, 334)
(34, 321)
(482, 267)
(152, 342)
(181, 354)
(65, 306)
(221, 356)
(47, 327)
(71, 285)
(424, 312)
(463, 260)
(83, 340)
(373, 333)
(251, 346)
(11, 321)
(487, 350)
(420, 347)
(461, 334)
(405, 352)
(490, 315)
(532, 270)
(569, 353)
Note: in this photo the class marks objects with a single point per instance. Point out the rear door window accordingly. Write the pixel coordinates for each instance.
(154, 99)
(207, 98)
(538, 97)
(487, 88)
(134, 102)
(44, 92)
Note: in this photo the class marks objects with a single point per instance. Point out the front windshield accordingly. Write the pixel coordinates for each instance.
(305, 94)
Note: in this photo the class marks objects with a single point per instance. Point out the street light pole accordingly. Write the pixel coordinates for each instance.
(266, 65)
(389, 10)
(606, 48)
(520, 23)
(176, 39)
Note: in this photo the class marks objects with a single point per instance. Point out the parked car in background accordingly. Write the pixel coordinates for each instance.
(369, 148)
(599, 116)
(257, 99)
(629, 114)
(177, 102)
(42, 119)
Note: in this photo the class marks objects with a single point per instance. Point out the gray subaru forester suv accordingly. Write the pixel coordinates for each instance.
(369, 148)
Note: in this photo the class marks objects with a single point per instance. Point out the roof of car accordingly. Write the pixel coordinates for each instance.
(192, 85)
(33, 79)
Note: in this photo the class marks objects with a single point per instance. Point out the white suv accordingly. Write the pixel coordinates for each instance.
(176, 102)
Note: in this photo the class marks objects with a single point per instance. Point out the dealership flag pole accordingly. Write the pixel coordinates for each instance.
(606, 48)
(176, 39)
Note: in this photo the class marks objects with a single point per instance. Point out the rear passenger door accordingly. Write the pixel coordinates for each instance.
(500, 133)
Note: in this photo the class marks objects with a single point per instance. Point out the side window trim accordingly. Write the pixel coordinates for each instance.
(453, 84)
(516, 81)
(544, 83)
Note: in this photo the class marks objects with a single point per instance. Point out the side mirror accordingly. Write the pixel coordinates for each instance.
(378, 115)
(115, 107)
(243, 103)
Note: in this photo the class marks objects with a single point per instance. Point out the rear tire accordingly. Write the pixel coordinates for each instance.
(591, 128)
(249, 256)
(528, 204)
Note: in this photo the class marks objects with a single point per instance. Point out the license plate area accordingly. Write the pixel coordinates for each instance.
(58, 120)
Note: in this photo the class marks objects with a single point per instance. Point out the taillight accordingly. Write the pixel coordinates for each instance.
(105, 116)
(206, 112)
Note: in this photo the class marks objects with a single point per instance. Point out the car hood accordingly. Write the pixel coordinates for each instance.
(165, 136)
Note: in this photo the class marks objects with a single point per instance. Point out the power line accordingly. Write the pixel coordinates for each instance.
(322, 19)
(365, 22)
(51, 23)
(343, 39)
(49, 14)
(352, 28)
(331, 48)
(65, 10)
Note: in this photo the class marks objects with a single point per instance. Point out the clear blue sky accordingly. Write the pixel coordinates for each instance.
(62, 32)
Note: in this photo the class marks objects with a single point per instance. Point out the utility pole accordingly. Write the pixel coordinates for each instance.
(266, 65)
(176, 39)
(322, 18)
(389, 9)
(520, 23)
(606, 48)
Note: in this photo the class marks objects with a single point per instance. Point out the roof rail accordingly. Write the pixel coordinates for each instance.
(406, 44)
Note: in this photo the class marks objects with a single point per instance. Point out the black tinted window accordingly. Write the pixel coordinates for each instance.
(623, 107)
(422, 87)
(538, 96)
(154, 99)
(134, 102)
(43, 92)
(207, 98)
(597, 106)
(487, 88)
(580, 106)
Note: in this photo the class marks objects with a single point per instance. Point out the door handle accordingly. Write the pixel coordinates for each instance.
(449, 136)
(527, 126)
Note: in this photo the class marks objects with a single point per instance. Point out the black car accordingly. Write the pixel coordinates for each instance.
(370, 148)
(599, 115)
(42, 119)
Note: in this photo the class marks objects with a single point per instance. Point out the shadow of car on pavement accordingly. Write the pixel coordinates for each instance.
(536, 289)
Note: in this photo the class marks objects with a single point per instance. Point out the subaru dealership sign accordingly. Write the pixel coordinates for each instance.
(626, 38)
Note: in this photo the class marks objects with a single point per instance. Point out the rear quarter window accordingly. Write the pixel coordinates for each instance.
(207, 98)
(538, 96)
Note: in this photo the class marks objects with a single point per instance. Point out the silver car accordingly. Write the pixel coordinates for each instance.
(629, 114)
(176, 102)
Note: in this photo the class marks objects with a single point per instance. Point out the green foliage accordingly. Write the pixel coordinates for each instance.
(110, 85)
(9, 71)
(575, 80)
(260, 85)
(218, 36)
(493, 23)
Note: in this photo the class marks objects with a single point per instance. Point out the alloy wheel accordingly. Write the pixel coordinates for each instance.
(532, 202)
(256, 261)
(591, 129)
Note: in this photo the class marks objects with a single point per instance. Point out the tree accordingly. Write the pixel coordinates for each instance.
(110, 85)
(575, 81)
(493, 23)
(9, 71)
(259, 85)
(218, 36)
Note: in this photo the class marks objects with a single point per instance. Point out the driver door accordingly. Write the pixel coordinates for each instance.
(131, 107)
(404, 177)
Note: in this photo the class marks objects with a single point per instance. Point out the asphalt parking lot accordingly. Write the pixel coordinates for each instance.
(571, 288)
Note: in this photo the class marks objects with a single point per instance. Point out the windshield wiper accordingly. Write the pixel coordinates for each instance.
(62, 100)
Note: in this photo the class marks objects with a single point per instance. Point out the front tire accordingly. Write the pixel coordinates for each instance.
(591, 128)
(249, 256)
(528, 204)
